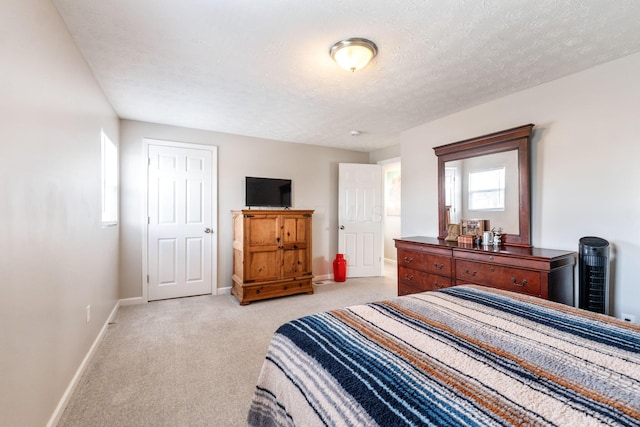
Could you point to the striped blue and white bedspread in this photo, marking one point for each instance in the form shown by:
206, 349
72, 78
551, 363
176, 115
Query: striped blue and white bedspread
465, 355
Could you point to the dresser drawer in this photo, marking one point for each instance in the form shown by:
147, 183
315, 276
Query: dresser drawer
421, 280
437, 264
519, 262
408, 289
269, 290
410, 259
422, 261
496, 276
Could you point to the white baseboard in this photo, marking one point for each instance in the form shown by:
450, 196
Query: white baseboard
391, 261
223, 291
321, 277
57, 413
131, 301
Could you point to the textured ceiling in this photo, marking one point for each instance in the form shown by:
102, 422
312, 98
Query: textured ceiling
262, 68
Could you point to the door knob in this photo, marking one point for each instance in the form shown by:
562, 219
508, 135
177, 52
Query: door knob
208, 230
342, 227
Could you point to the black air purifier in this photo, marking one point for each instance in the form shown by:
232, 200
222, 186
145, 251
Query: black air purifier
593, 264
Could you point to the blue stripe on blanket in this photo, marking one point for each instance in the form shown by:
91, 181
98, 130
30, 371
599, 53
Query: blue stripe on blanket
397, 384
512, 368
601, 332
376, 384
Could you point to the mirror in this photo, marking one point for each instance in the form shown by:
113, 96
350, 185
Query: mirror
484, 187
487, 178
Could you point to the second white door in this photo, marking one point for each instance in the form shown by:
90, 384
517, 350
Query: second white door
360, 218
181, 224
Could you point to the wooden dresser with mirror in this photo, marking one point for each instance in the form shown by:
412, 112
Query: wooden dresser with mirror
429, 263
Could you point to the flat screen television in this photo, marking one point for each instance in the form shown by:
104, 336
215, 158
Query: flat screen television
267, 192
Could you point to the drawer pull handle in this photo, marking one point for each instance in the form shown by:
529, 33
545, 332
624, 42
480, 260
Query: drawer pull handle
438, 285
491, 257
492, 269
473, 273
524, 282
408, 260
408, 276
438, 266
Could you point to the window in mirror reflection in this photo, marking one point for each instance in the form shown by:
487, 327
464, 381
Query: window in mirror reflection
486, 189
457, 191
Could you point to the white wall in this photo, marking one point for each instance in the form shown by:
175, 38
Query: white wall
385, 154
313, 169
585, 173
55, 258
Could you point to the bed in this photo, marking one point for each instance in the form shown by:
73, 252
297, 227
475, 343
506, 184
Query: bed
465, 355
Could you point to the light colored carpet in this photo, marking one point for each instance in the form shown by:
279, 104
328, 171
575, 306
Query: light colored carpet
195, 361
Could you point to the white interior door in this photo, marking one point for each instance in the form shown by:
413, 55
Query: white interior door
181, 229
360, 218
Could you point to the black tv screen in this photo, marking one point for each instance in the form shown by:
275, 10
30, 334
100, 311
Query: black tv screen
268, 192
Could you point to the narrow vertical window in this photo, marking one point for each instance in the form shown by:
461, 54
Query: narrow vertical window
109, 181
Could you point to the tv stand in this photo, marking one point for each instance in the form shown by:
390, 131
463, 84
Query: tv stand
271, 254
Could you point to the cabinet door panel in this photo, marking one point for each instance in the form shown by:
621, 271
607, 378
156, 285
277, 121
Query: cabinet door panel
295, 228
295, 247
262, 266
262, 231
294, 263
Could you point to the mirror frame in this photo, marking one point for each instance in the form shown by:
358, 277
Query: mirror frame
506, 140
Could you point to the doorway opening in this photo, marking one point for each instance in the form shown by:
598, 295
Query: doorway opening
391, 174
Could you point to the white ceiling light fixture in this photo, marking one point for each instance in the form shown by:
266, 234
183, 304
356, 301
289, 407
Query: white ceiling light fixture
353, 54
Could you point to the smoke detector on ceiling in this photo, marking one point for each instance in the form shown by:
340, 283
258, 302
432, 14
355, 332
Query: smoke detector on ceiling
355, 133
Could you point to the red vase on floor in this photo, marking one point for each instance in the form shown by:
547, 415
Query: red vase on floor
339, 268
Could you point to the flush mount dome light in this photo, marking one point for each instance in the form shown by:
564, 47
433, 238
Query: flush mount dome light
353, 54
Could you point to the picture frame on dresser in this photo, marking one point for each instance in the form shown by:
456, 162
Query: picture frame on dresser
473, 227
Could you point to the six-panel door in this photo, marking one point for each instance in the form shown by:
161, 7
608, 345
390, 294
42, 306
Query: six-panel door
180, 224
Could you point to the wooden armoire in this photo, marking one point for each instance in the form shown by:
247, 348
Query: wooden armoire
271, 254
